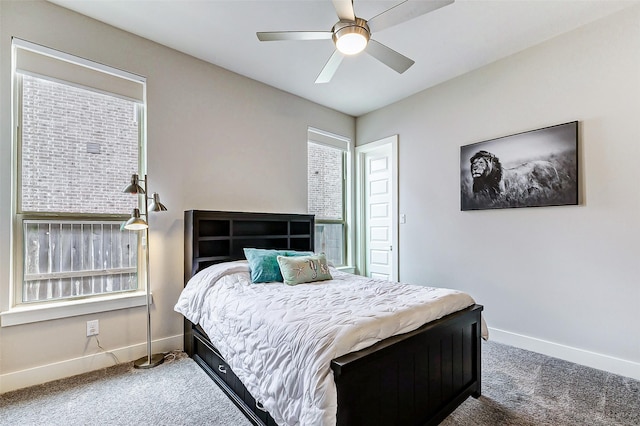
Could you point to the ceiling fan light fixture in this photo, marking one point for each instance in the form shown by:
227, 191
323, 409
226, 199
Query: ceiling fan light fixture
351, 37
351, 43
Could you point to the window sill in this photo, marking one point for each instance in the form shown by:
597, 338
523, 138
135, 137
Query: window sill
26, 314
349, 269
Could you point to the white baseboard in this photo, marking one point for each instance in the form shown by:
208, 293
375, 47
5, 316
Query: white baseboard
579, 356
72, 367
84, 364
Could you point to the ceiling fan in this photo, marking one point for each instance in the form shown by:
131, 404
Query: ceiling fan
352, 34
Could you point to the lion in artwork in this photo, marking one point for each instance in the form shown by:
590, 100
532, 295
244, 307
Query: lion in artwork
492, 180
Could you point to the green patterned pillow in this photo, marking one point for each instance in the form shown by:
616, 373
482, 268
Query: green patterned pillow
264, 265
304, 269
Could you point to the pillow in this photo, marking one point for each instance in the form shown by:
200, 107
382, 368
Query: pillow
264, 264
304, 269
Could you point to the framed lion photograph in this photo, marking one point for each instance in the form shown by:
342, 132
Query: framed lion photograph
531, 169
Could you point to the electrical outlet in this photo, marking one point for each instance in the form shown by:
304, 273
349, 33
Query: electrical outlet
93, 328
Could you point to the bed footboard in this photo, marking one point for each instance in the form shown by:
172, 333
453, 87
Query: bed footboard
417, 378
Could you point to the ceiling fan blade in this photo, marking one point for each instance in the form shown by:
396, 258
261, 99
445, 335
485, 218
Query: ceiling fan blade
330, 67
294, 35
403, 12
344, 9
388, 56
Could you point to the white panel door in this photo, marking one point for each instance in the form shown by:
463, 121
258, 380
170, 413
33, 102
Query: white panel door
378, 202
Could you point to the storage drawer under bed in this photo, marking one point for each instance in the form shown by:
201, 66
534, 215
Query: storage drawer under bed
229, 382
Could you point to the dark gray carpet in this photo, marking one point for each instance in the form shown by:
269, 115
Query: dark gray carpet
177, 392
520, 388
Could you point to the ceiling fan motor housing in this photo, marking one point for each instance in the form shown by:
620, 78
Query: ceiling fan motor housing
351, 30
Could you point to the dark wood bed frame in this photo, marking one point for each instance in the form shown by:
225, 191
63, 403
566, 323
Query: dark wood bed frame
417, 378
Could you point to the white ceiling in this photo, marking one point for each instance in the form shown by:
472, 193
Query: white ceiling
445, 43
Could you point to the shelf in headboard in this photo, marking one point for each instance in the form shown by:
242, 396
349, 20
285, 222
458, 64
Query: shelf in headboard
215, 236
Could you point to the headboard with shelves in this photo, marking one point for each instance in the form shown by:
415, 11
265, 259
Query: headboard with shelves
216, 236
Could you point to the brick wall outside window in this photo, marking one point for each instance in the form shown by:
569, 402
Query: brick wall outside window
325, 181
79, 149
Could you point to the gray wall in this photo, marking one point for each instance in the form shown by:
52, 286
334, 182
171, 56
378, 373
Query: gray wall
560, 280
216, 140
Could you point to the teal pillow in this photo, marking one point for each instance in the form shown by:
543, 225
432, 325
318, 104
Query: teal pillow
263, 263
304, 269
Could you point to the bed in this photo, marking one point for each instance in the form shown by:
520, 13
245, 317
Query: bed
415, 378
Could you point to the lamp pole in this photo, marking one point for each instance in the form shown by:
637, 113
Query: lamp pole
151, 360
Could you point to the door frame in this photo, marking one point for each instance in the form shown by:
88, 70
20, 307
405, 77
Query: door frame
361, 220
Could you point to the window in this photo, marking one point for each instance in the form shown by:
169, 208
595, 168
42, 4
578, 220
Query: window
79, 138
328, 159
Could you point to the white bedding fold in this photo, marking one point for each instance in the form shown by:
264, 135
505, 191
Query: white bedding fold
280, 340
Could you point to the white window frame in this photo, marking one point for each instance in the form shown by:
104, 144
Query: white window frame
322, 137
16, 312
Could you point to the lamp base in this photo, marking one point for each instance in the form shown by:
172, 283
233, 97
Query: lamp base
156, 359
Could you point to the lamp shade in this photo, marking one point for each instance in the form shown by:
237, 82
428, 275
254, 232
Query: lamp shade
134, 187
155, 205
135, 223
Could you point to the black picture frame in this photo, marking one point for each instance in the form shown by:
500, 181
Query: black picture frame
536, 168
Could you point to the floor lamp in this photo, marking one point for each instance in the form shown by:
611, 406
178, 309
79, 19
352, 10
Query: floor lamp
137, 223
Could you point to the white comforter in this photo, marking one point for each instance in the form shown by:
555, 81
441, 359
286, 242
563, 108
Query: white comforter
279, 339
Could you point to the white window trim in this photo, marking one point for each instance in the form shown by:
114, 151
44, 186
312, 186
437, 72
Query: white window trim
329, 139
30, 313
322, 137
75, 70
20, 313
